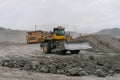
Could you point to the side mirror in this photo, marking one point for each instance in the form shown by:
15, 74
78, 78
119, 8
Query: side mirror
51, 32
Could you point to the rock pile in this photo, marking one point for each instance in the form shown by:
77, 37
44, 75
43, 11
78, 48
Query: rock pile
101, 43
74, 65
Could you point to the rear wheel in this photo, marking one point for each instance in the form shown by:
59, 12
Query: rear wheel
72, 52
63, 52
75, 51
46, 48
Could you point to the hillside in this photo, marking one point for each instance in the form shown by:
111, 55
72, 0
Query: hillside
14, 36
114, 32
1, 28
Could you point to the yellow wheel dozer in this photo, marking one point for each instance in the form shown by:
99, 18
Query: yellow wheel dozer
58, 43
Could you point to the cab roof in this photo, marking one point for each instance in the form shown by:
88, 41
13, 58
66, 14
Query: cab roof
59, 27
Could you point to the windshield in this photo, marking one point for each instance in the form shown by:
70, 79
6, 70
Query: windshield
60, 32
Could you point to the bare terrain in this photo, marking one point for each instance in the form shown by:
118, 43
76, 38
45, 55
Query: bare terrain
21, 61
33, 52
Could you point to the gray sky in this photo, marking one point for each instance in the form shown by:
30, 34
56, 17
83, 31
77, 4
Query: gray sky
86, 15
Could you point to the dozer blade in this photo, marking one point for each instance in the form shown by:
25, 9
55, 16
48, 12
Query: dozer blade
77, 46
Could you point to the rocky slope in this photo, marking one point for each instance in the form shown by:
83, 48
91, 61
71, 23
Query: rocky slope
101, 43
75, 65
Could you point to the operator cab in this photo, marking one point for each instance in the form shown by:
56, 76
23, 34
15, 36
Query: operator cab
59, 31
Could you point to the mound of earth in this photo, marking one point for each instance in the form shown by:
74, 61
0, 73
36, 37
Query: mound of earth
75, 65
101, 43
12, 36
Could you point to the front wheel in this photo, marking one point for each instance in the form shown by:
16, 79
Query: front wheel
46, 48
28, 42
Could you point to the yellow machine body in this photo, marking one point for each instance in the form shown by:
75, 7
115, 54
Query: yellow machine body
34, 36
57, 42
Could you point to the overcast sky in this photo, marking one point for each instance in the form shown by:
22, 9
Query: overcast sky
86, 15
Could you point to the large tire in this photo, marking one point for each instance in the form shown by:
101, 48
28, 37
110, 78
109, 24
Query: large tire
28, 42
75, 51
46, 48
72, 52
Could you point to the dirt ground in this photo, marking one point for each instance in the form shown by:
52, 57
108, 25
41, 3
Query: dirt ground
32, 51
15, 74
